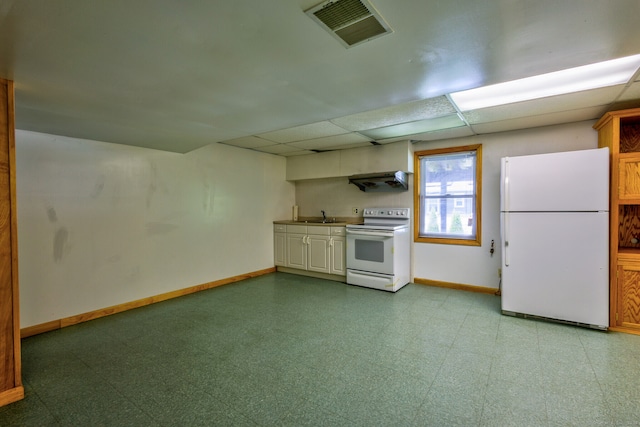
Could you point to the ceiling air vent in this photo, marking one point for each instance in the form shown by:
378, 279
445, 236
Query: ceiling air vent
350, 21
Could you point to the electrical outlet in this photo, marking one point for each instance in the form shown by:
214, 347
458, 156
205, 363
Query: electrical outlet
355, 211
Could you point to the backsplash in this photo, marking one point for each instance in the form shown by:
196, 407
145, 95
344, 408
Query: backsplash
337, 197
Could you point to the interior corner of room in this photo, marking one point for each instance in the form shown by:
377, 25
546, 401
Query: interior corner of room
147, 157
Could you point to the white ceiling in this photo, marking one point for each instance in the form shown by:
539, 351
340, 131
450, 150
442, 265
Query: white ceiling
177, 75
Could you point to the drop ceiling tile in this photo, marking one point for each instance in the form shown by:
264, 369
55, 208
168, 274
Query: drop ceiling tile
248, 142
577, 115
301, 133
298, 153
631, 93
392, 140
330, 141
278, 149
552, 104
346, 146
459, 132
420, 126
402, 113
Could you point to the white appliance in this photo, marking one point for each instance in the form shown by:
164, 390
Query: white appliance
379, 251
555, 236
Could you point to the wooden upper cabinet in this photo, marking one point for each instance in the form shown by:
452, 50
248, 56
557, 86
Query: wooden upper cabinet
11, 388
629, 177
620, 131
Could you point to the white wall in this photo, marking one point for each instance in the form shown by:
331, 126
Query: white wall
102, 224
453, 263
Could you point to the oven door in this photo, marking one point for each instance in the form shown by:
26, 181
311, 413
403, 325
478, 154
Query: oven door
370, 250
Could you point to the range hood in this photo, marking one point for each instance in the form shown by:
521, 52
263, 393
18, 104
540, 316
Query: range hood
381, 182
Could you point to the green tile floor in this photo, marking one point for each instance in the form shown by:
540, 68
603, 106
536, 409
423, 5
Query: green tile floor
286, 350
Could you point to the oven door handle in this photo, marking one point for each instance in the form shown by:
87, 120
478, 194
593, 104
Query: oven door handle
381, 233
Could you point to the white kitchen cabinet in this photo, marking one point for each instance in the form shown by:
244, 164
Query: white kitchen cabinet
338, 252
319, 250
319, 165
297, 250
280, 244
378, 158
397, 156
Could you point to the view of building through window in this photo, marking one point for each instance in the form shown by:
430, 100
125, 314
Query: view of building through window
448, 188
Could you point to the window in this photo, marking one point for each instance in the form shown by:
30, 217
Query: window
448, 194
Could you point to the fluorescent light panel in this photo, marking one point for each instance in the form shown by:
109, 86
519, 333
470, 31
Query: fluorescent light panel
601, 74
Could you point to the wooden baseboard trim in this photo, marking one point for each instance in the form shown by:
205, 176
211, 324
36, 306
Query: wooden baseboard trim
625, 330
11, 395
96, 314
40, 329
458, 286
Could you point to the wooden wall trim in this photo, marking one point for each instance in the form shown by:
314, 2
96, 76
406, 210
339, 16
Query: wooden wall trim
96, 314
12, 395
14, 240
11, 388
458, 286
626, 330
40, 329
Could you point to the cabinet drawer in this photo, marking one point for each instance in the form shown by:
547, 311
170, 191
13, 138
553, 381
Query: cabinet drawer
300, 229
319, 230
279, 228
338, 231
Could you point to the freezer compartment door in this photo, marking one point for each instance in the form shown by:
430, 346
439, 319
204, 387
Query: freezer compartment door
568, 181
555, 265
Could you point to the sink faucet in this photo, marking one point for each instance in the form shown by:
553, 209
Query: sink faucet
324, 217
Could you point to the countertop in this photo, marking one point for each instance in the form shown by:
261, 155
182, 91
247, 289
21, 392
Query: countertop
339, 222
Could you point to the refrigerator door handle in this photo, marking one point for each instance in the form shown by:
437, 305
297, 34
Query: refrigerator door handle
506, 185
505, 209
505, 233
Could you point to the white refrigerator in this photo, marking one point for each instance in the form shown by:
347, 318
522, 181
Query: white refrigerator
555, 236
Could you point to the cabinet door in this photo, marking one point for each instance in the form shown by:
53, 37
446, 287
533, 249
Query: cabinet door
629, 177
296, 250
318, 253
338, 256
628, 298
280, 248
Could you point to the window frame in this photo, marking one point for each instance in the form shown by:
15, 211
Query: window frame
417, 176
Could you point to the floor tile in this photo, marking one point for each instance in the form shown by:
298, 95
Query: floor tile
514, 404
451, 405
282, 349
567, 409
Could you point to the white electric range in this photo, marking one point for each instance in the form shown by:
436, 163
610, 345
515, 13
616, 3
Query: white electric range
379, 250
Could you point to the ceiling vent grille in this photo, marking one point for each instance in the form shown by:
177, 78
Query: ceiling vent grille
350, 21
